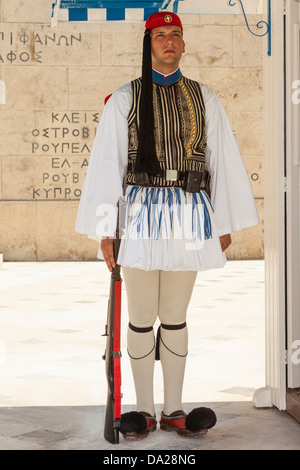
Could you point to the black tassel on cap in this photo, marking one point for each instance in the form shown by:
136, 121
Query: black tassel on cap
146, 160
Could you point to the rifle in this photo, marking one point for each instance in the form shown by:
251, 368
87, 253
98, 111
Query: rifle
112, 355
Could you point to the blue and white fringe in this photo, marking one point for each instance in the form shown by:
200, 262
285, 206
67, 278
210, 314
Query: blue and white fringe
152, 210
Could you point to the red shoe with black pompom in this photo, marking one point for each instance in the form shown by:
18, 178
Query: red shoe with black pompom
197, 422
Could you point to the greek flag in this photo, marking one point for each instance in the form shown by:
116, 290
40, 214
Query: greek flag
140, 10
108, 10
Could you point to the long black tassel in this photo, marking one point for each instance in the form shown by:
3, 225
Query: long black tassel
146, 160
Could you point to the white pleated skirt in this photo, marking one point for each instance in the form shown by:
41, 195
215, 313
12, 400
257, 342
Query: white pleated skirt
169, 229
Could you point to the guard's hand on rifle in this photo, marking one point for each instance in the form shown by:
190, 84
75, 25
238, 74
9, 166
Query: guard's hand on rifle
107, 247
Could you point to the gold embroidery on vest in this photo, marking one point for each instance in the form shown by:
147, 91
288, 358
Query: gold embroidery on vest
179, 120
193, 119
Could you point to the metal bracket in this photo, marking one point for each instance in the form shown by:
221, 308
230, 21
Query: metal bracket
117, 354
260, 24
167, 4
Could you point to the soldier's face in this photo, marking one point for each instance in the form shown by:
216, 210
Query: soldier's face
167, 47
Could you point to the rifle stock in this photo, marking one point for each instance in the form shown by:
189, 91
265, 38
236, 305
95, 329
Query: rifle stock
112, 354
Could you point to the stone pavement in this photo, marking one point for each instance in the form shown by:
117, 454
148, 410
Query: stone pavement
53, 384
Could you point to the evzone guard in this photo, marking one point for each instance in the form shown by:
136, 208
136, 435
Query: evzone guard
164, 149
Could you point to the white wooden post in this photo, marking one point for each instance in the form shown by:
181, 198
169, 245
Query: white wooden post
293, 190
275, 391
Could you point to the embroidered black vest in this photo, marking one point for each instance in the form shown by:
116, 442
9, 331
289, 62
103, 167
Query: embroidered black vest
179, 120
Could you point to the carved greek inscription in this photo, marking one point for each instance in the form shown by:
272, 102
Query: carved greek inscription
67, 140
63, 181
22, 47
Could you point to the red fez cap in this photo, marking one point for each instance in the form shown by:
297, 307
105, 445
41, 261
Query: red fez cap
163, 18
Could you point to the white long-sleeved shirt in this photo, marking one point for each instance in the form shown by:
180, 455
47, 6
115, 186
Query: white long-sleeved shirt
231, 193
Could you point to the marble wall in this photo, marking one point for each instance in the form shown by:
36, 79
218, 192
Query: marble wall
56, 81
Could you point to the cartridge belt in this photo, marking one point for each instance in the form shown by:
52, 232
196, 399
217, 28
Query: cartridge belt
191, 181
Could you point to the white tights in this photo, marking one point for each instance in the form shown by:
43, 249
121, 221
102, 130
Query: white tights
166, 295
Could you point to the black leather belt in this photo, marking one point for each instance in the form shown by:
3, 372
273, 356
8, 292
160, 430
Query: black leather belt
192, 181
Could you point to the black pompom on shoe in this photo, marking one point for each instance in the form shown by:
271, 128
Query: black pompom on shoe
200, 418
134, 426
